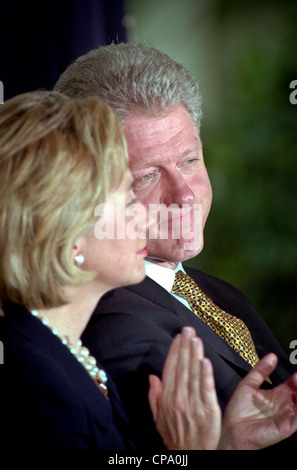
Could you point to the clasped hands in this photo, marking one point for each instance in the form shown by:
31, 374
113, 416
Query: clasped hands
187, 415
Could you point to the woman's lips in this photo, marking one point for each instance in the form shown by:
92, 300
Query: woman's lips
143, 252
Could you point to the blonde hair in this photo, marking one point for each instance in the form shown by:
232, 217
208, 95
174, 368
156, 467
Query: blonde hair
133, 79
58, 159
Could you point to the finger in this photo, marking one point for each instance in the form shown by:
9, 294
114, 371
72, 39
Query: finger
258, 374
170, 366
184, 359
197, 354
197, 348
208, 390
154, 394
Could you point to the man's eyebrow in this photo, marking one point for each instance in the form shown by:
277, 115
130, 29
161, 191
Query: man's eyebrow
187, 152
146, 166
197, 148
153, 164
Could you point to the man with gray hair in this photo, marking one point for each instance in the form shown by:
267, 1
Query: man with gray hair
159, 105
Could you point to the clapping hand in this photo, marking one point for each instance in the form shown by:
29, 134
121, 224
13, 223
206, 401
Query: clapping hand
257, 418
184, 404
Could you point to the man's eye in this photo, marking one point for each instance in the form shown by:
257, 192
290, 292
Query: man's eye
190, 165
147, 177
146, 180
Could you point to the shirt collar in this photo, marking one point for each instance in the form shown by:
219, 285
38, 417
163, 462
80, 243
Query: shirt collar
163, 276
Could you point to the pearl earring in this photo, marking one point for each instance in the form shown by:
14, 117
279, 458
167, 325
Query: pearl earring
80, 259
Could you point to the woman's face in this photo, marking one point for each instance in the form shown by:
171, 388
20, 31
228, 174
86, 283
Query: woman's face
116, 247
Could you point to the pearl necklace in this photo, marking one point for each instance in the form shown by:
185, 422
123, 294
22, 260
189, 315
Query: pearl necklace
82, 354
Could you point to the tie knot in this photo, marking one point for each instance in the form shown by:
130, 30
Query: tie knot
185, 286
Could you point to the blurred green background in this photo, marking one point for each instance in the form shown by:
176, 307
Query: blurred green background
243, 53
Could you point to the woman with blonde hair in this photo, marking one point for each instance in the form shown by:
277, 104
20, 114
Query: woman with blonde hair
59, 160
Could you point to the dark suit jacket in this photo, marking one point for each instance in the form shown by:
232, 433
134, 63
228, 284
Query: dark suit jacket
132, 328
48, 400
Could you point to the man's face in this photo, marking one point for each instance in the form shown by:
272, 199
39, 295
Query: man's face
166, 160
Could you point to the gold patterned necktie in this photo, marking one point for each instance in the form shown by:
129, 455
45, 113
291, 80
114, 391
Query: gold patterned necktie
233, 330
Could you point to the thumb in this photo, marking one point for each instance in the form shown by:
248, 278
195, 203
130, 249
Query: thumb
154, 394
261, 371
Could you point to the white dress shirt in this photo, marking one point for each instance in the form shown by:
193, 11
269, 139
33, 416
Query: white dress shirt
165, 278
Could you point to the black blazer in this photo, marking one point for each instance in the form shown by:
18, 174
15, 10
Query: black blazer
132, 328
48, 400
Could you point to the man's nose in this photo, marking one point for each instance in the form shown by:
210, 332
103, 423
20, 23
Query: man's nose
177, 191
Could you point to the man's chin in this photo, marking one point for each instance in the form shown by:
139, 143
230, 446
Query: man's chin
175, 252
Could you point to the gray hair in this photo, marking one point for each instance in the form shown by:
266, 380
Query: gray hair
132, 79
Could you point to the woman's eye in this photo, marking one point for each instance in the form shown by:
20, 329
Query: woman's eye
131, 201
